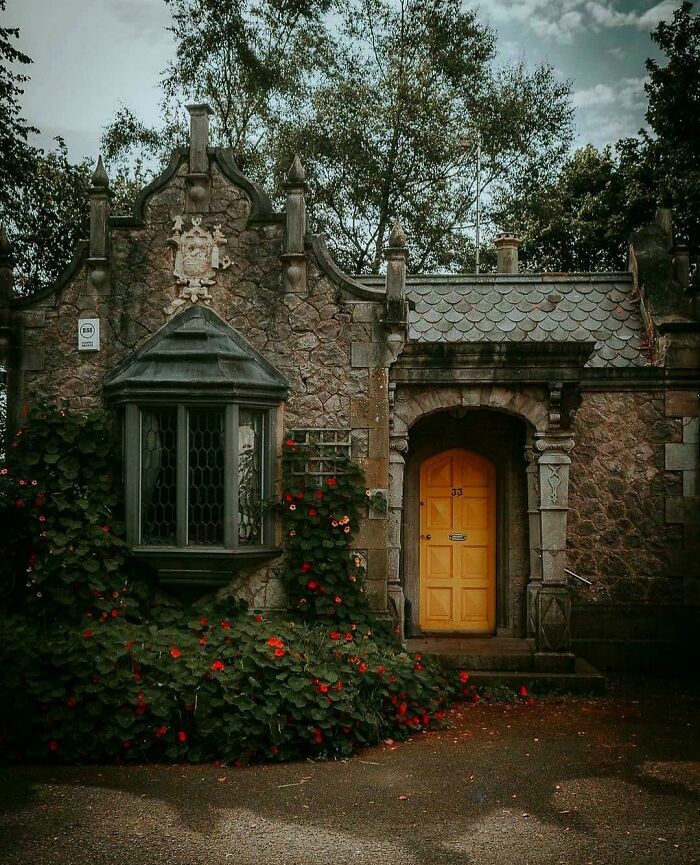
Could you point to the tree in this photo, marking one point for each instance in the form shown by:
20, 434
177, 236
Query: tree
375, 99
673, 113
581, 218
15, 151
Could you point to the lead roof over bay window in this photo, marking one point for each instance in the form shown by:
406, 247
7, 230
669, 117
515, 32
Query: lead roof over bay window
198, 439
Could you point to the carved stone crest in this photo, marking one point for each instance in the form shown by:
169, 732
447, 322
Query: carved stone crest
197, 259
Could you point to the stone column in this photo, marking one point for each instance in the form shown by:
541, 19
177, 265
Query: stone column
535, 538
398, 447
293, 258
97, 263
553, 607
197, 180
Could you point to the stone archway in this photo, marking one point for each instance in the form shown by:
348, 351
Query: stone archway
523, 411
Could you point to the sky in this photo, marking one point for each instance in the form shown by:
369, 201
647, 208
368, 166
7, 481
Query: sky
90, 56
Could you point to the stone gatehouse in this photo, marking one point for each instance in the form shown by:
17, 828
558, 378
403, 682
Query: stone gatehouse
536, 435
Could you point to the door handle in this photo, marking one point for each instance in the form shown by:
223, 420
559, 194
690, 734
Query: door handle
426, 537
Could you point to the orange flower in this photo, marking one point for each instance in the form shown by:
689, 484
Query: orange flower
218, 666
463, 677
279, 653
175, 653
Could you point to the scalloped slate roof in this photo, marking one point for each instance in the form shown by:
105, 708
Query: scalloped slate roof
531, 308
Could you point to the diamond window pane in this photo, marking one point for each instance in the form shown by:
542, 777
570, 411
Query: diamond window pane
250, 477
205, 508
158, 476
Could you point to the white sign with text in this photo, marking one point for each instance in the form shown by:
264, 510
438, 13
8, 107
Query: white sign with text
88, 334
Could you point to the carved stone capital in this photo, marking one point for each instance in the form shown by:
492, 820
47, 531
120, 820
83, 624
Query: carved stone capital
398, 443
549, 443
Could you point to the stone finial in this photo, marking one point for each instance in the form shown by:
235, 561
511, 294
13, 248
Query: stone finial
396, 255
99, 225
506, 244
199, 137
294, 259
397, 238
100, 180
296, 176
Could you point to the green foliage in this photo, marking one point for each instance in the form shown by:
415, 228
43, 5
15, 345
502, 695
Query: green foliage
581, 218
673, 113
61, 528
15, 152
320, 517
98, 665
375, 98
220, 684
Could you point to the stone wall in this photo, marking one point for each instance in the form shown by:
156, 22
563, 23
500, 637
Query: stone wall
617, 535
307, 334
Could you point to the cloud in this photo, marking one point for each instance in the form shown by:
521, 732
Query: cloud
607, 112
562, 20
143, 19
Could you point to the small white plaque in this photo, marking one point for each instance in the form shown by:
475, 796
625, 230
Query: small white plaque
88, 334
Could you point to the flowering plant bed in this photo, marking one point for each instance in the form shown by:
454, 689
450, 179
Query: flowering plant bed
98, 665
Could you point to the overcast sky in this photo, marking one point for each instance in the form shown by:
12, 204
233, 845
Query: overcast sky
91, 55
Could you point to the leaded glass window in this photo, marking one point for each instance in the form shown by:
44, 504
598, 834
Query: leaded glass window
158, 476
204, 475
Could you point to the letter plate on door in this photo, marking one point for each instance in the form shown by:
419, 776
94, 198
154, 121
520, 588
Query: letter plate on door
458, 537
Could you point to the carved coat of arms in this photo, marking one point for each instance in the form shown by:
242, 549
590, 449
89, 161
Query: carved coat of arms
197, 258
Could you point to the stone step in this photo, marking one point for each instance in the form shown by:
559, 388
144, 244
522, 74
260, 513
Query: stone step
475, 653
585, 679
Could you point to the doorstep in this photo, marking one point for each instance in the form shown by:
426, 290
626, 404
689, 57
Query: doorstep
506, 662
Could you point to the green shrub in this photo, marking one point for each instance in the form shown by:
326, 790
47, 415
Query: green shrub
237, 688
96, 665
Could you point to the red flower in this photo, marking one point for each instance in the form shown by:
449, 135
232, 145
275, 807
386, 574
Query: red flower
114, 613
463, 677
312, 585
105, 529
337, 599
279, 653
53, 745
203, 620
334, 635
87, 634
289, 497
418, 667
182, 736
306, 566
42, 518
349, 638
381, 669
318, 494
20, 503
161, 731
71, 702
218, 666
175, 653
523, 691
275, 641
363, 668
203, 641
331, 482
226, 625
289, 443
323, 688
258, 618
313, 512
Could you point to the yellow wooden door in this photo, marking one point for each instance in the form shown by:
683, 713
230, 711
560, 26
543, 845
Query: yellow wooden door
458, 543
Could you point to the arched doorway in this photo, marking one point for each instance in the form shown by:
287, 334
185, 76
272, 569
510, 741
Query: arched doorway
458, 543
499, 438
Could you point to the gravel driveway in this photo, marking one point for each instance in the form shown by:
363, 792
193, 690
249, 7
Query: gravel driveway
574, 780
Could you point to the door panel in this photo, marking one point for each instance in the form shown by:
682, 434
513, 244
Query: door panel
458, 543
